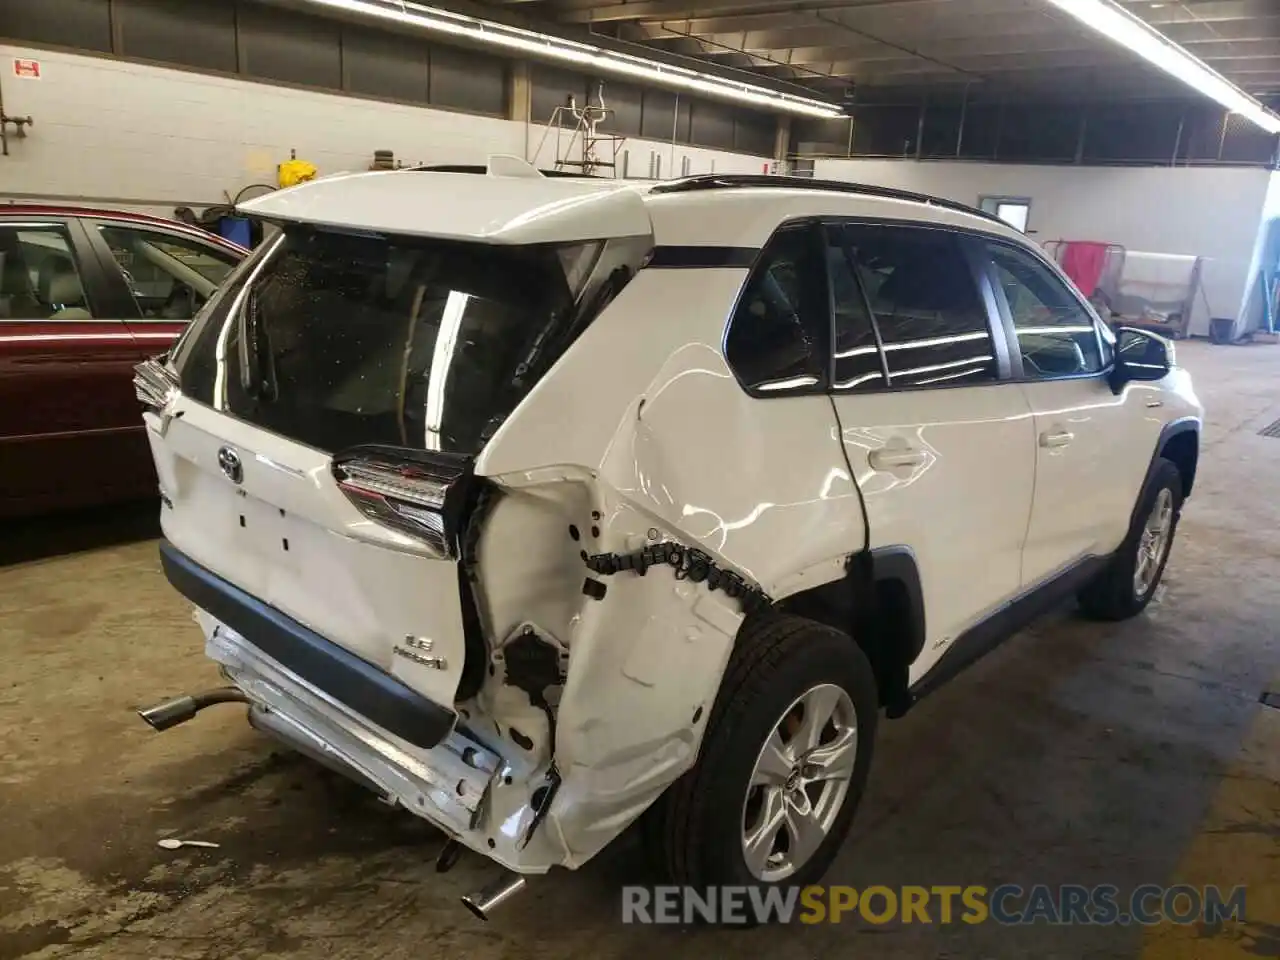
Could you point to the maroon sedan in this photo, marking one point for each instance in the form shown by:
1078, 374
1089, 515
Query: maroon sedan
85, 295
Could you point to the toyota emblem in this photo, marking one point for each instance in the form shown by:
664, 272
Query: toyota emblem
230, 463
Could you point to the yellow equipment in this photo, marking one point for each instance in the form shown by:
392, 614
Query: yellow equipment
294, 171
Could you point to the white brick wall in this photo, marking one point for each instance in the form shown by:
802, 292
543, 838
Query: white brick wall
122, 134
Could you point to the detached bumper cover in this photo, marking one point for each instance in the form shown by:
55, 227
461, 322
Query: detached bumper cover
450, 784
346, 678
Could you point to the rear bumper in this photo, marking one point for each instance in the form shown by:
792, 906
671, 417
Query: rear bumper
450, 785
337, 673
330, 713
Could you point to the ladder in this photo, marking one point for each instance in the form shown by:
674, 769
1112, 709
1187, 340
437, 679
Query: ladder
585, 149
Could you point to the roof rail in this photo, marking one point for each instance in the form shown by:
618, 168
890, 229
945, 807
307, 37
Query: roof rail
726, 181
479, 168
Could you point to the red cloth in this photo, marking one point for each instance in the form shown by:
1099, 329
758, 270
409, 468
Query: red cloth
1083, 261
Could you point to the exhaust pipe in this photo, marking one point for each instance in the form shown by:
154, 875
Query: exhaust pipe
181, 709
482, 904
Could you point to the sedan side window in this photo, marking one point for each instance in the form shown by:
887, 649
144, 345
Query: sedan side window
170, 277
778, 337
924, 304
39, 279
1056, 335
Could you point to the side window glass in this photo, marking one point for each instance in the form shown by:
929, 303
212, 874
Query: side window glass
170, 277
39, 279
1056, 335
857, 356
932, 323
778, 337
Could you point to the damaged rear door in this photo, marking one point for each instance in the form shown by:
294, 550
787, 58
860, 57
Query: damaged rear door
335, 399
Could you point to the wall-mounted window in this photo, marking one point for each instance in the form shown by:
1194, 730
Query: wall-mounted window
283, 45
467, 80
551, 88
266, 42
386, 65
1015, 211
711, 125
191, 32
81, 24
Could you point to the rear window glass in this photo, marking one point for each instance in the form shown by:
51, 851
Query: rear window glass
342, 339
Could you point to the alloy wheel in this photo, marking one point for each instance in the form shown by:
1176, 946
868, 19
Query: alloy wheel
1153, 543
799, 783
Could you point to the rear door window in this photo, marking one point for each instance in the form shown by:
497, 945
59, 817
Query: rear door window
169, 277
925, 304
39, 276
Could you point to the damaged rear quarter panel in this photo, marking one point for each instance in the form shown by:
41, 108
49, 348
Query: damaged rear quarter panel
642, 424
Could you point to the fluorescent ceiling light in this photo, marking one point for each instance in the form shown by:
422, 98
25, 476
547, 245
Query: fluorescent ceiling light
584, 54
1147, 42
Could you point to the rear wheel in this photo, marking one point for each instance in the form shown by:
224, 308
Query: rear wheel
1129, 581
783, 762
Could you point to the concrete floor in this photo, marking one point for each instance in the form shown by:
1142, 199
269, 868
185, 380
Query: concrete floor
1077, 753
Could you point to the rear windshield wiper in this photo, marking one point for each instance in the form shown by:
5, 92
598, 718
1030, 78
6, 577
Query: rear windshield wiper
247, 345
257, 369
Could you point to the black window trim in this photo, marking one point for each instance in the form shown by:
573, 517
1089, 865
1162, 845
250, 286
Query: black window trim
1006, 315
813, 226
881, 356
983, 286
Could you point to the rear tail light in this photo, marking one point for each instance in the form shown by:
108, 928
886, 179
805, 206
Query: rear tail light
154, 383
419, 494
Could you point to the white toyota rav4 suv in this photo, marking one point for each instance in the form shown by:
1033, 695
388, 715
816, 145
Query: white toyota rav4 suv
540, 504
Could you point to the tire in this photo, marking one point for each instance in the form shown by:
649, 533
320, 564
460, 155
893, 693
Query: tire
695, 832
1116, 594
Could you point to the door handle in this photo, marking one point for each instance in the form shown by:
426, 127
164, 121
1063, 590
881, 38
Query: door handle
895, 459
1056, 438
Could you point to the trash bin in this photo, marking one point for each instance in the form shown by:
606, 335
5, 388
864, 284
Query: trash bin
237, 230
1220, 329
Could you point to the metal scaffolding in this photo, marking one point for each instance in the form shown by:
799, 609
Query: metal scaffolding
582, 147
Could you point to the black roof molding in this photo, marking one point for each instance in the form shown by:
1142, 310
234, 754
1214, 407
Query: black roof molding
733, 181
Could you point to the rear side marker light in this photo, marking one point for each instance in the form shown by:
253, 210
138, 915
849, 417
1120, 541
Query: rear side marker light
418, 494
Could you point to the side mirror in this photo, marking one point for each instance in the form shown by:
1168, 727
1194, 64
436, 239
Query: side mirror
1140, 355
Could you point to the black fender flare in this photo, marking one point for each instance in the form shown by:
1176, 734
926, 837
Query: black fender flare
1173, 428
898, 563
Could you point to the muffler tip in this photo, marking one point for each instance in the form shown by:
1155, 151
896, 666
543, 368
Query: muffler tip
483, 904
170, 713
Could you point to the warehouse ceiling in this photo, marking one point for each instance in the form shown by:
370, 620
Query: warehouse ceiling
998, 47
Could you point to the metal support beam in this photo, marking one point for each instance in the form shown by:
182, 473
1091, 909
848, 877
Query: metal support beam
519, 92
782, 139
924, 105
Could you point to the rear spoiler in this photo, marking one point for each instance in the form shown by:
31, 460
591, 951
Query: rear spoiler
513, 202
